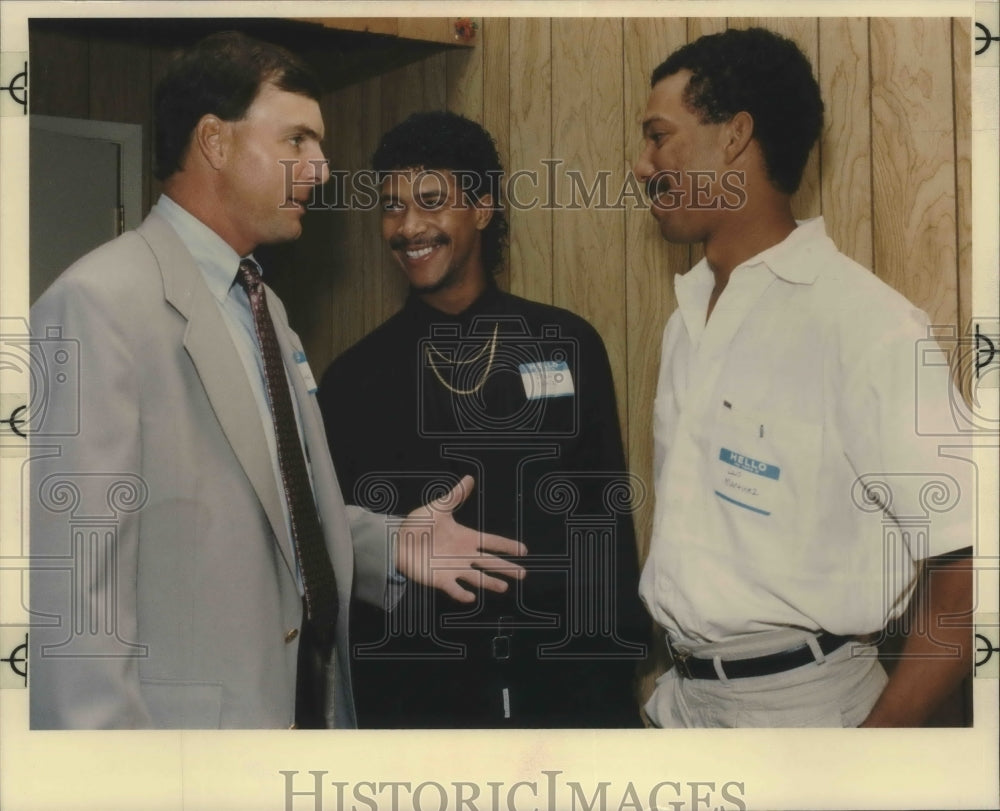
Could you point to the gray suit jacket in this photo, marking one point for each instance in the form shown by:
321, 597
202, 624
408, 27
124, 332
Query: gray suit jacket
162, 586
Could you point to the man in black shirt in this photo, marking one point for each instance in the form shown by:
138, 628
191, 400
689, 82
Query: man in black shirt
469, 379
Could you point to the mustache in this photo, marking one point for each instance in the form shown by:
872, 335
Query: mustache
401, 243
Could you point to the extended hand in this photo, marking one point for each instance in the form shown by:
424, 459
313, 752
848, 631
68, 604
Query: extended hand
433, 549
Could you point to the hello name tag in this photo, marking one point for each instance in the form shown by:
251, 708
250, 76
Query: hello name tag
307, 376
547, 378
747, 482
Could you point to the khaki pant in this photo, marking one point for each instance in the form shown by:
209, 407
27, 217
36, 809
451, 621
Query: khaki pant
837, 692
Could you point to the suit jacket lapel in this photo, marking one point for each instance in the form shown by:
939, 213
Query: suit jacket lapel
210, 347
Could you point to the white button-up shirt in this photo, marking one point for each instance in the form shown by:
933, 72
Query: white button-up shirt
792, 486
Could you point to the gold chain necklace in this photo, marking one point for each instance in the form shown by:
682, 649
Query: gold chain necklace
492, 346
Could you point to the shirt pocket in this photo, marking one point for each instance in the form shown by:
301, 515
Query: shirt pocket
764, 469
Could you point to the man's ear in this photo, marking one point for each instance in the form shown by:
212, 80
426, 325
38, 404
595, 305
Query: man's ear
211, 138
738, 132
484, 211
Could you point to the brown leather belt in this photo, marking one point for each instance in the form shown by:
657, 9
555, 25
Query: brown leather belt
694, 667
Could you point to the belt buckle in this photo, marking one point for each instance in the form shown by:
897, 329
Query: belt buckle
500, 644
680, 659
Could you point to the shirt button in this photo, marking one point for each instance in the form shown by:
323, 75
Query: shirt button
291, 635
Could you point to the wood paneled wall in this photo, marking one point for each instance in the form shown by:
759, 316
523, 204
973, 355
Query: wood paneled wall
891, 175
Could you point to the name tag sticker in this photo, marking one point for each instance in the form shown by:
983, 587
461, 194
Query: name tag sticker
746, 482
547, 378
303, 366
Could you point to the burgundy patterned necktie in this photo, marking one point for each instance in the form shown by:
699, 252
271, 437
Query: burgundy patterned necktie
307, 535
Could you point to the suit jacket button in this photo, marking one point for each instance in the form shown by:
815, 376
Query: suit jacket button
293, 725
291, 635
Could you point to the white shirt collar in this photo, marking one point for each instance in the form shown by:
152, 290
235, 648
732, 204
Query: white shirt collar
788, 260
791, 258
213, 255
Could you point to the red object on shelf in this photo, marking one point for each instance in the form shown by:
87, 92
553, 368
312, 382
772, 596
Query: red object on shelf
465, 29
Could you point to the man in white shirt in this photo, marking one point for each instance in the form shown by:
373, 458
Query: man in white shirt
789, 477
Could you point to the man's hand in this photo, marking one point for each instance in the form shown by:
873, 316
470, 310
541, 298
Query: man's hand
937, 653
434, 550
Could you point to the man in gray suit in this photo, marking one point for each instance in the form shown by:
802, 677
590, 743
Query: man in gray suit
167, 572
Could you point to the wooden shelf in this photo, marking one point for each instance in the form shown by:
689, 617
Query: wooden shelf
441, 30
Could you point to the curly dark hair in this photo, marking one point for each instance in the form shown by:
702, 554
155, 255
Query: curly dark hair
764, 74
220, 74
444, 140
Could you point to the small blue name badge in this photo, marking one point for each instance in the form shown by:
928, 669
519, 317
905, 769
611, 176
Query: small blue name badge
303, 366
547, 378
747, 482
749, 464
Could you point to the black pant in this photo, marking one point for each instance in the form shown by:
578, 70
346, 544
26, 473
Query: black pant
315, 649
